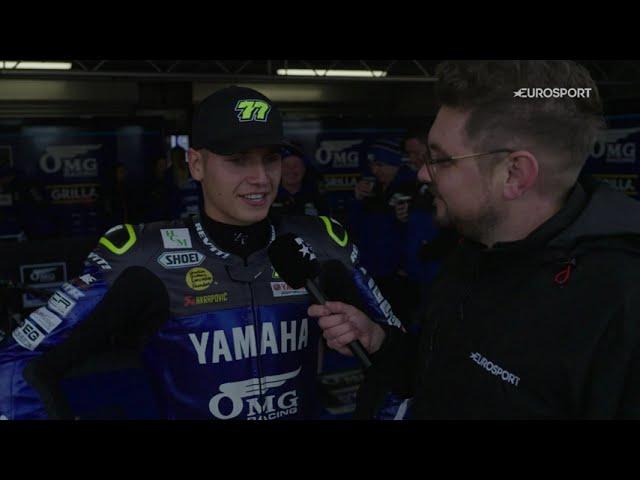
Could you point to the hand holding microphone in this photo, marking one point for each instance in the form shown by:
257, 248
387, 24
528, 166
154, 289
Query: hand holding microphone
343, 324
298, 266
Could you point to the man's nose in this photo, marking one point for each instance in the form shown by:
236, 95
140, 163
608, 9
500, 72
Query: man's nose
424, 175
257, 173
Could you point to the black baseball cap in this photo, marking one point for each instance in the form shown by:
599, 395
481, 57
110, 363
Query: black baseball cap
235, 119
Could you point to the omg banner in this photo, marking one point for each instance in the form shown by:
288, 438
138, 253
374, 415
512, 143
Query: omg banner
614, 157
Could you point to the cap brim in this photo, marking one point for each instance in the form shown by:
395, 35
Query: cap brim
240, 145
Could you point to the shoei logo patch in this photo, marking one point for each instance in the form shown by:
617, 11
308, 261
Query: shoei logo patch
176, 238
189, 258
235, 396
199, 279
253, 110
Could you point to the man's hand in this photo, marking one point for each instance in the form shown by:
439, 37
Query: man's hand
364, 188
341, 324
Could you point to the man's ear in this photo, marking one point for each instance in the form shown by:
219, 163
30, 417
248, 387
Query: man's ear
196, 161
522, 174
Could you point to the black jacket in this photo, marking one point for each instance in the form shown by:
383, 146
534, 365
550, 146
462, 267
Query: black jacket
545, 327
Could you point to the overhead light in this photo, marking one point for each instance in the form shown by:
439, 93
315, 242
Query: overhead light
24, 65
311, 72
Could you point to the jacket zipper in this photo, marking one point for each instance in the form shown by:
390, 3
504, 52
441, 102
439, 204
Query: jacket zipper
258, 341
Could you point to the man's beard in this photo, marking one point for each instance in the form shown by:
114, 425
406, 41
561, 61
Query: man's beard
475, 227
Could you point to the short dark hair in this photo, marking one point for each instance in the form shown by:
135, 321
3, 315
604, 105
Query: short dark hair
486, 88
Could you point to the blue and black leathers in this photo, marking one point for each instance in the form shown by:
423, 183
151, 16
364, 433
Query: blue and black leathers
221, 337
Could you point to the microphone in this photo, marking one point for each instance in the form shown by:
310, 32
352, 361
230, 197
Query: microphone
338, 283
297, 265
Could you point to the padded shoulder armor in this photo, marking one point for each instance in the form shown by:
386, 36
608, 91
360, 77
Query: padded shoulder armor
119, 239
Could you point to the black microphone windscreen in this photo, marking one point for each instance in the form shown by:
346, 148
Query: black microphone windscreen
293, 259
338, 284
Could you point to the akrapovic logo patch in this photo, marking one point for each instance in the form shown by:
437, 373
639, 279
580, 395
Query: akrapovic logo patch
494, 369
189, 258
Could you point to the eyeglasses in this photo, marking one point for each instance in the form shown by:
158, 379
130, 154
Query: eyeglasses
431, 163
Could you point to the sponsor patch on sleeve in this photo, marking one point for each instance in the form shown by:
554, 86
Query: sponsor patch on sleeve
61, 303
28, 335
45, 319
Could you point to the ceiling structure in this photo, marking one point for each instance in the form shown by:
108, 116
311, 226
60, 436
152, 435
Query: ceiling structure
606, 72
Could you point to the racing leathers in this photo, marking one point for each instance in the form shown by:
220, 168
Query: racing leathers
221, 336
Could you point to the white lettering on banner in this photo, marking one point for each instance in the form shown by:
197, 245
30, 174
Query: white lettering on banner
615, 146
244, 342
73, 193
333, 150
621, 183
231, 396
66, 158
338, 182
43, 275
494, 369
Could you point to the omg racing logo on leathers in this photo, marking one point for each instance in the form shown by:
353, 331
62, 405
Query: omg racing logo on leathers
252, 395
